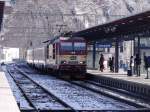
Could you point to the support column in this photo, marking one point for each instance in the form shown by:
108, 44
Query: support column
116, 56
134, 46
94, 53
139, 51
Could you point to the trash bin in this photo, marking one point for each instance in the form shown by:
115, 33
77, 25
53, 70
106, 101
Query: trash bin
129, 72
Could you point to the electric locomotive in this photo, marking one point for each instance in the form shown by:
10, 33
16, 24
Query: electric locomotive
63, 55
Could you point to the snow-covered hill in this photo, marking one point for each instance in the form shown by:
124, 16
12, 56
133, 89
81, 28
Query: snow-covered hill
37, 20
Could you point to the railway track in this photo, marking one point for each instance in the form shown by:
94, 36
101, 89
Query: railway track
91, 86
39, 98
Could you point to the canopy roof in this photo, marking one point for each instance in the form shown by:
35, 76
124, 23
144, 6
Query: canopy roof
125, 28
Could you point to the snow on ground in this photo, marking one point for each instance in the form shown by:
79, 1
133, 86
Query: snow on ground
39, 98
77, 97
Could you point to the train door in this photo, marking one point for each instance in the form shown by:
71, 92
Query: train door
50, 54
46, 54
54, 51
57, 53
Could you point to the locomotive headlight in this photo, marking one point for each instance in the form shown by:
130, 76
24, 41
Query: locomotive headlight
63, 62
82, 62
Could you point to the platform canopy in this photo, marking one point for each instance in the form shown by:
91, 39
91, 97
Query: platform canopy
1, 12
122, 29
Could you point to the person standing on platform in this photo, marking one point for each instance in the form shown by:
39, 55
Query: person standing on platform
146, 64
101, 63
145, 61
109, 63
137, 64
131, 64
112, 65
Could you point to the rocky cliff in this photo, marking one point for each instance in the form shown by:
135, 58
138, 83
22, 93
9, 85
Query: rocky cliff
38, 20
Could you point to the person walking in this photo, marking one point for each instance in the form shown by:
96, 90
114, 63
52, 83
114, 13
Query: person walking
137, 64
131, 64
101, 63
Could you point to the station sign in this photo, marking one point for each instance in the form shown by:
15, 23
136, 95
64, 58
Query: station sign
105, 45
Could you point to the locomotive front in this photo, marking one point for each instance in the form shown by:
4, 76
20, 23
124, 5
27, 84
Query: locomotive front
73, 54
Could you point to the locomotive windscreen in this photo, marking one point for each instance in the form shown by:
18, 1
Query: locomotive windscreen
66, 46
78, 46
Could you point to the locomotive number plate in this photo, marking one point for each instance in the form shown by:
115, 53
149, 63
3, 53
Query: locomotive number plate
73, 57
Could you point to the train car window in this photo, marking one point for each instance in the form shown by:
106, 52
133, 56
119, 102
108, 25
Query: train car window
54, 51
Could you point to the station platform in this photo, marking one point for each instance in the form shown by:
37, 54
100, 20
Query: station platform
7, 100
138, 85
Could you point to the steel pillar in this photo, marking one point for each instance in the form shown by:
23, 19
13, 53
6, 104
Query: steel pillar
138, 47
116, 56
139, 52
134, 53
94, 53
